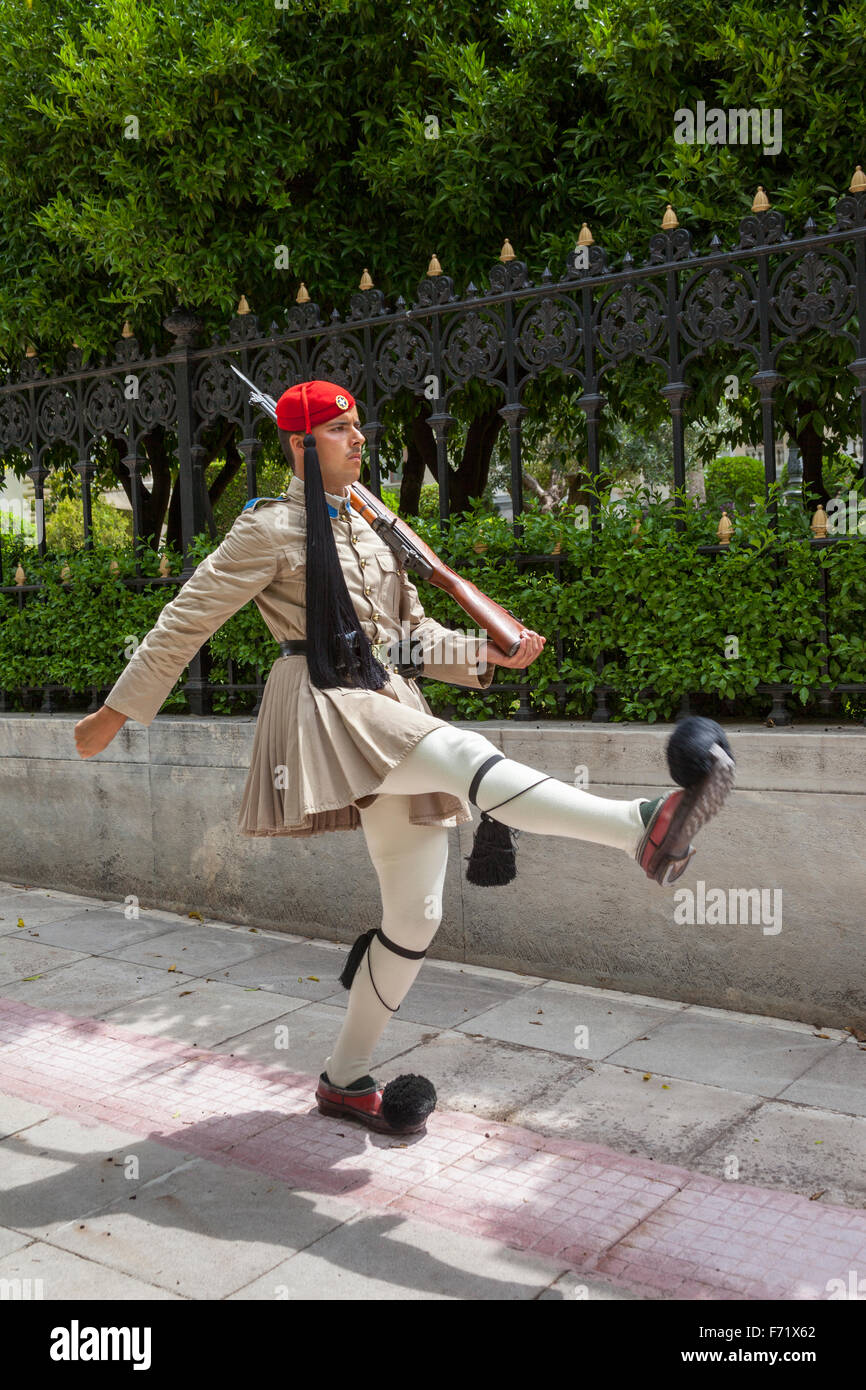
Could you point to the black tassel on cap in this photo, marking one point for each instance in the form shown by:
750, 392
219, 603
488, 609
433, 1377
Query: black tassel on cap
338, 649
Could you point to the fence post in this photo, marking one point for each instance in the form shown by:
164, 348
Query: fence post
194, 511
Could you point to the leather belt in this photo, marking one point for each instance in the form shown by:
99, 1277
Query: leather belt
298, 647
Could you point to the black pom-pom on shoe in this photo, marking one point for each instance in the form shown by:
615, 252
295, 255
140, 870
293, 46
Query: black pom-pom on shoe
689, 748
700, 760
408, 1100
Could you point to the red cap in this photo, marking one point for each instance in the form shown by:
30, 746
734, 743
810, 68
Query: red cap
312, 403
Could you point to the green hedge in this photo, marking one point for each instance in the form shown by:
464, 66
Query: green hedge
736, 479
661, 613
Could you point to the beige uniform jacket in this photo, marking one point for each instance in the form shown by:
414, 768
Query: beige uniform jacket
317, 754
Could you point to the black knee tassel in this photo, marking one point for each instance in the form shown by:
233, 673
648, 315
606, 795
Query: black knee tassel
354, 958
493, 862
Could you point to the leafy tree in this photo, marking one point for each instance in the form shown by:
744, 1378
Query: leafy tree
737, 479
64, 526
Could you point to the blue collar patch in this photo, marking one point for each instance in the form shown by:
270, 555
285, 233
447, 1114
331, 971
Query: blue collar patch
332, 511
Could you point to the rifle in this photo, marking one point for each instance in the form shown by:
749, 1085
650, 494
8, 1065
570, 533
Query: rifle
415, 555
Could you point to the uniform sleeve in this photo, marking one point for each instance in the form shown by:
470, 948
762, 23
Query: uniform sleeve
448, 656
243, 565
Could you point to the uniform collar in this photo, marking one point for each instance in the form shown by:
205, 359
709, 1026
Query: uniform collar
337, 501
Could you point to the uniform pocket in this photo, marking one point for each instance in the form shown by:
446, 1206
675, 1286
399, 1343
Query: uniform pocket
388, 579
292, 573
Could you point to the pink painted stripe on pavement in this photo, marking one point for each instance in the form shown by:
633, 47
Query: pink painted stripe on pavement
653, 1228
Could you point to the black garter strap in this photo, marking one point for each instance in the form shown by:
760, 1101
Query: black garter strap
485, 767
473, 786
361, 947
401, 950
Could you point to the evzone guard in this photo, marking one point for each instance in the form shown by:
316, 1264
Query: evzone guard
344, 736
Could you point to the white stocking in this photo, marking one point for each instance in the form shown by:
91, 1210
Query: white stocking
410, 861
447, 758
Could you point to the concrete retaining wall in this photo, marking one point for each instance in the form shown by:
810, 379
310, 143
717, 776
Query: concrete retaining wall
154, 815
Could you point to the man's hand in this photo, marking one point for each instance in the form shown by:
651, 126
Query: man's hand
531, 646
96, 731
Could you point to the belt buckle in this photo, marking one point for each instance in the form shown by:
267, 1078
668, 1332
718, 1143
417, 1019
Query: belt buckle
380, 650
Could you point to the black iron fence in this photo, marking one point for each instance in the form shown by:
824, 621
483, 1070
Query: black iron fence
759, 297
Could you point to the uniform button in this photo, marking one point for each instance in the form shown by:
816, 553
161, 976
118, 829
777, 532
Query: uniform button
362, 563
366, 588
377, 616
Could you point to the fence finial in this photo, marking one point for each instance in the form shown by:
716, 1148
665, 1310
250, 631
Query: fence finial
819, 522
434, 268
30, 350
366, 282
243, 306
761, 202
20, 576
858, 182
725, 528
670, 220
585, 238
302, 297
126, 330
507, 252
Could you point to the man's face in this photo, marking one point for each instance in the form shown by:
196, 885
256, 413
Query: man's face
338, 444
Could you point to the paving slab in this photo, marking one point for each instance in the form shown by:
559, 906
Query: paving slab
299, 970
438, 999
56, 1275
307, 1036
35, 910
754, 1059
16, 1114
21, 955
97, 930
386, 1257
662, 1118
835, 1082
57, 1171
197, 950
576, 1023
814, 1152
200, 1012
204, 1230
93, 987
489, 1078
12, 1240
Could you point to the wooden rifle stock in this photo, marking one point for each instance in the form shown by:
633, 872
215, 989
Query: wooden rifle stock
502, 627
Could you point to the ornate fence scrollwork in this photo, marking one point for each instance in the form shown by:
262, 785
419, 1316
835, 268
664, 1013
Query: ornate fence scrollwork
768, 292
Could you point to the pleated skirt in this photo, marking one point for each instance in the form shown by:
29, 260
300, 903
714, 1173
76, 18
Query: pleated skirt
317, 754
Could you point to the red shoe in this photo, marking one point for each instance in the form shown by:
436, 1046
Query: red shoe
665, 850
399, 1107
